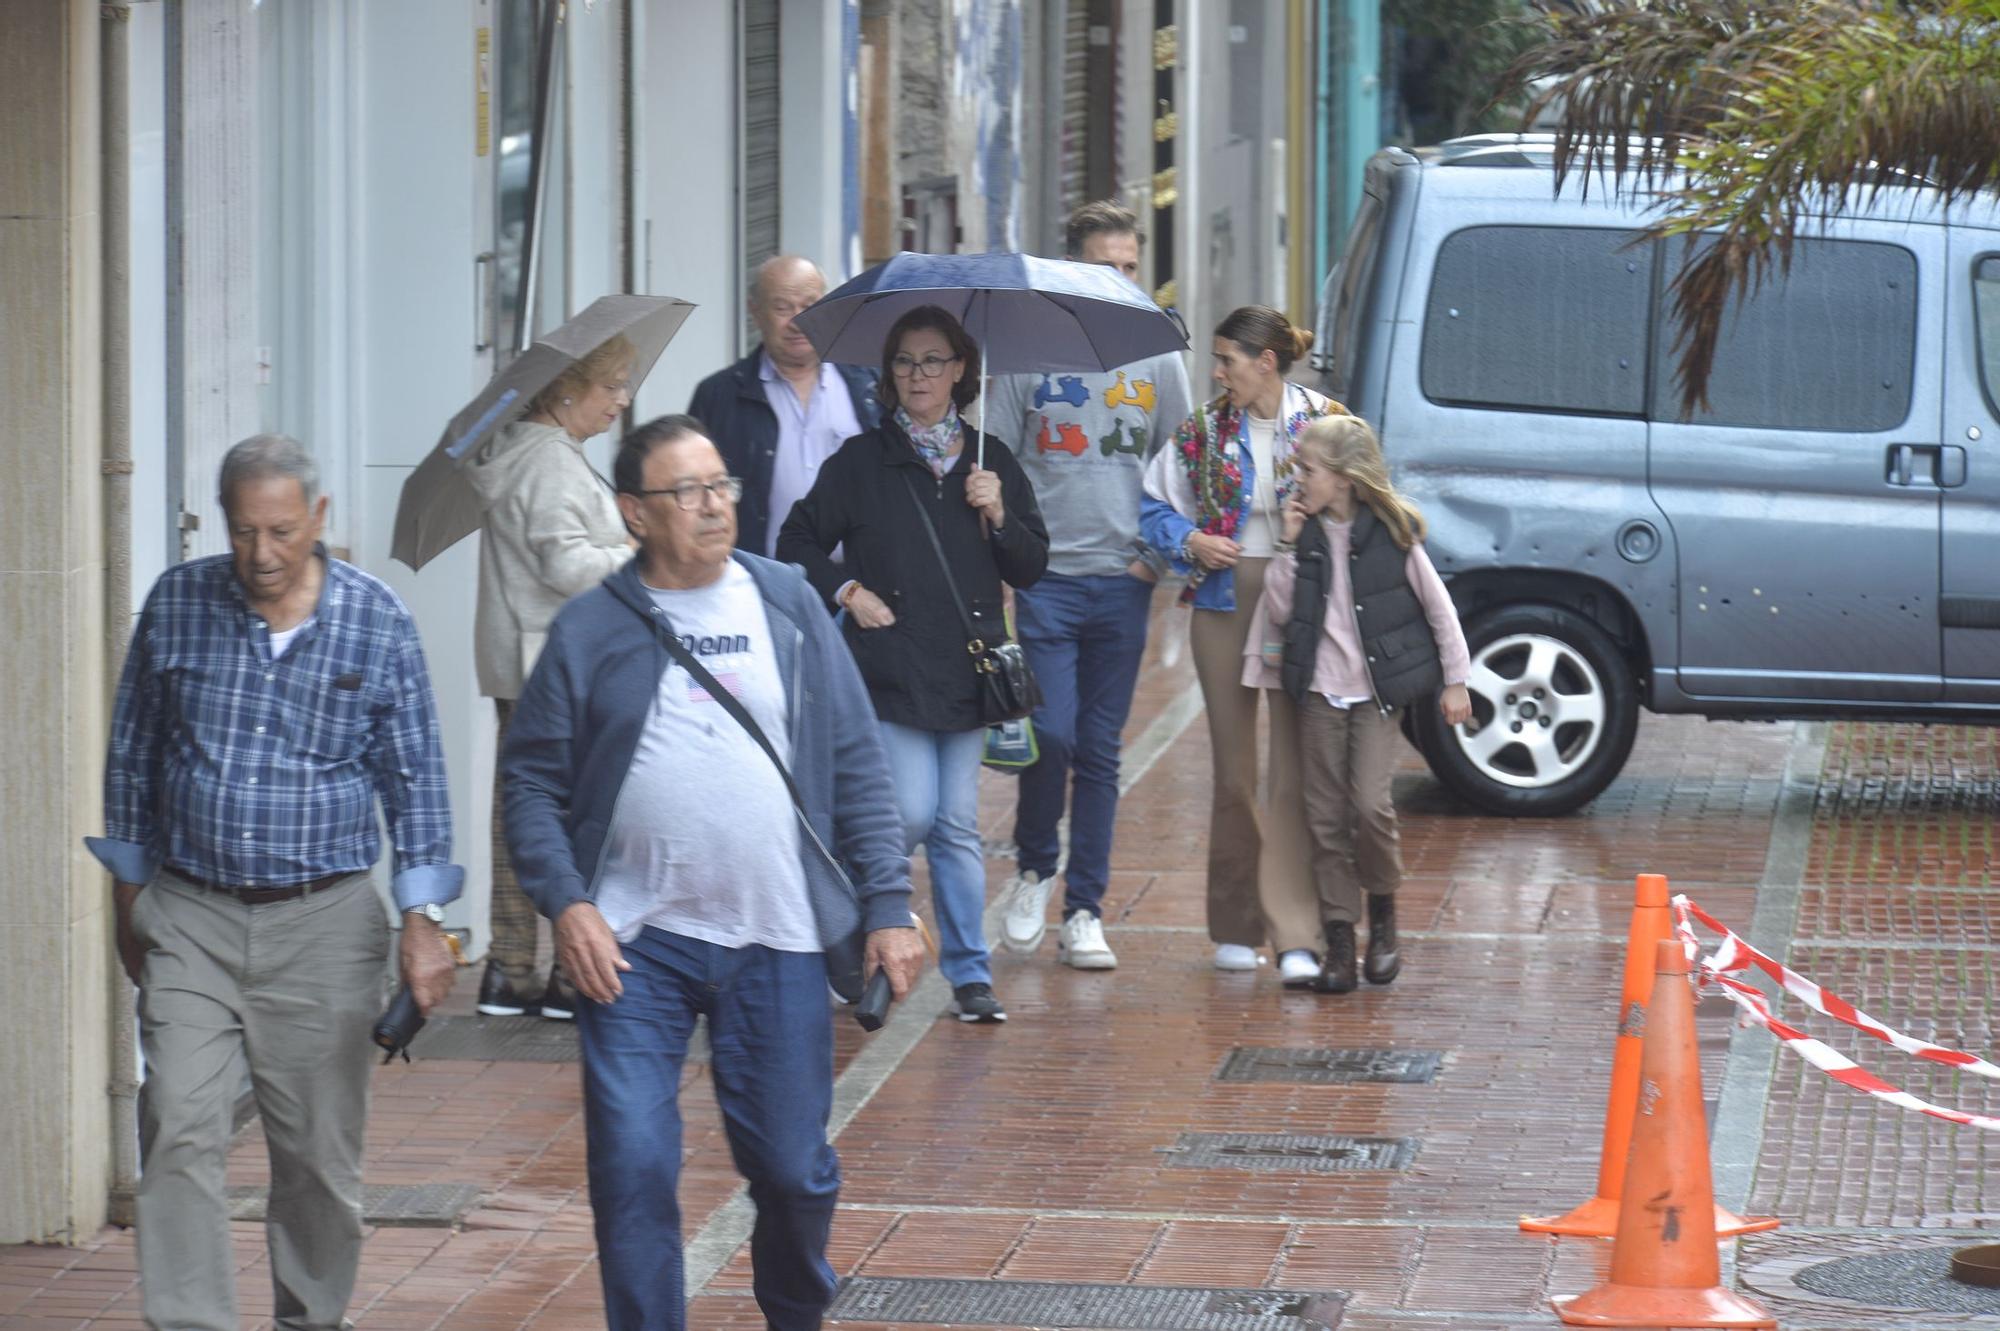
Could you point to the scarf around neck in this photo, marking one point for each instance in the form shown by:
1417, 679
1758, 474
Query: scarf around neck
1215, 442
934, 443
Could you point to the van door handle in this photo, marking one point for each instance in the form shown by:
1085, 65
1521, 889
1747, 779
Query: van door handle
1951, 467
1902, 462
1926, 464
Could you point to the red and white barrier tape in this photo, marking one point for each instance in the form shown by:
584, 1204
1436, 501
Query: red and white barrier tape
1734, 955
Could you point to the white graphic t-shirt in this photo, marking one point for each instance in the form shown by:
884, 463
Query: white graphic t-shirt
703, 841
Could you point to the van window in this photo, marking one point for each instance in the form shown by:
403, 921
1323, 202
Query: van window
1986, 308
1531, 318
1830, 346
1339, 336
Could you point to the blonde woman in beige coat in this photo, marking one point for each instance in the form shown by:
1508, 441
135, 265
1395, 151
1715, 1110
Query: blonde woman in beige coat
551, 530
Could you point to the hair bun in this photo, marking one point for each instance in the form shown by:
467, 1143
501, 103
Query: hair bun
1302, 341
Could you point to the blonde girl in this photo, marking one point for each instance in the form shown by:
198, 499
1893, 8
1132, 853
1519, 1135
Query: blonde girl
1354, 624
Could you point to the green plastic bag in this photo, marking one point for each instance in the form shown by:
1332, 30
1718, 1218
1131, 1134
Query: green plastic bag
1010, 746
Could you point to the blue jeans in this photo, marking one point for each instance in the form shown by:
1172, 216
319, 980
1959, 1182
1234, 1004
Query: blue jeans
936, 775
1083, 638
772, 1048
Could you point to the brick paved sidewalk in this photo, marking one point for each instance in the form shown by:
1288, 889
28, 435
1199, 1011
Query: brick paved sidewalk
1068, 1145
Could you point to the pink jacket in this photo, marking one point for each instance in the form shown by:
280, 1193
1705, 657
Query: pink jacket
1340, 670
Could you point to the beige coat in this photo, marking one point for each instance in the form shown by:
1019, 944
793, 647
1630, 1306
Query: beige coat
552, 530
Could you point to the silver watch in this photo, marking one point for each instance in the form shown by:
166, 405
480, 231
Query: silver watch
430, 910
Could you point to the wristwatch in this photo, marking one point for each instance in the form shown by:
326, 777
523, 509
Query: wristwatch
430, 910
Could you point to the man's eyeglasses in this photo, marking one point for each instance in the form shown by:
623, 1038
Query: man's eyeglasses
930, 367
689, 495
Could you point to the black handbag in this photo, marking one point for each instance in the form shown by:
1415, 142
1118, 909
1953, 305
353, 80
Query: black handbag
1008, 688
844, 956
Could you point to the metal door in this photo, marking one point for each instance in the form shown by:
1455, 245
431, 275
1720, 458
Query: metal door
1803, 509
1968, 469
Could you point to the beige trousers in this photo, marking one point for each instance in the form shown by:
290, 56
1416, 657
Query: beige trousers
1259, 887
293, 989
1350, 757
512, 919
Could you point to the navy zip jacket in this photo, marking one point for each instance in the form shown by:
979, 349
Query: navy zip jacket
578, 722
732, 406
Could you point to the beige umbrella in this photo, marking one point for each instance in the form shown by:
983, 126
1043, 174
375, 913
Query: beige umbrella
439, 506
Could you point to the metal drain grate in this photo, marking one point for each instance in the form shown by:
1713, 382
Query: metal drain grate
927, 1302
382, 1203
1288, 1152
1330, 1067
514, 1040
1917, 1279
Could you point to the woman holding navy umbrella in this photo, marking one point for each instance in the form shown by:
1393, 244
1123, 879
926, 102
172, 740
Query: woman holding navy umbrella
884, 496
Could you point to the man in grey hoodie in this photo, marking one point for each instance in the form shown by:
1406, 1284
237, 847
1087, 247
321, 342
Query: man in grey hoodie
1084, 440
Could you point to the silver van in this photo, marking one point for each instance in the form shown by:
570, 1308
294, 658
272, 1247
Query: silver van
1823, 541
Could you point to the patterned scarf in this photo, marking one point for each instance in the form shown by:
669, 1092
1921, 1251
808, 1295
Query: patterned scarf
933, 442
1214, 441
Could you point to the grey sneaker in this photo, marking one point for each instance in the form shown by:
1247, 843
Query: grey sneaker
1081, 943
1024, 910
975, 1002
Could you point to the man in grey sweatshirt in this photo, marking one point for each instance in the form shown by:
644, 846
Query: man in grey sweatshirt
1084, 440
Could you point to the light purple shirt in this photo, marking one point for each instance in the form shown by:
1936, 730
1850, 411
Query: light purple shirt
808, 434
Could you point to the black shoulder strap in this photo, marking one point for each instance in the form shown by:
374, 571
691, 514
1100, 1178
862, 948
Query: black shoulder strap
731, 704
937, 548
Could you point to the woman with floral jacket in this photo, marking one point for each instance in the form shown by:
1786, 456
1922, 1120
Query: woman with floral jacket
1214, 503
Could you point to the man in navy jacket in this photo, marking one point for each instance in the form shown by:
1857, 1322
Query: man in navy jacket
781, 411
661, 838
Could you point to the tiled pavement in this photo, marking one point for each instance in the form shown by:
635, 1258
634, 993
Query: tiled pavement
1040, 1151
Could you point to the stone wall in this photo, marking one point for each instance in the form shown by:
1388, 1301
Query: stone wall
55, 953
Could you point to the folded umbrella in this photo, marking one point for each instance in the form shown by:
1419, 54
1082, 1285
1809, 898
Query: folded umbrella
439, 506
1027, 314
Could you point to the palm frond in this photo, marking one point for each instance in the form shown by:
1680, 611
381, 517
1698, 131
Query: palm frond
1746, 119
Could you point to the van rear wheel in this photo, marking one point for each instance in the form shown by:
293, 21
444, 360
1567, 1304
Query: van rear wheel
1554, 712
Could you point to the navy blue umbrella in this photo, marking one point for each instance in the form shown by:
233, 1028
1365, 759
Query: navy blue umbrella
1028, 315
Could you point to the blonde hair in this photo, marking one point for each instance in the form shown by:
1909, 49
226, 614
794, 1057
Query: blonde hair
1345, 446
599, 365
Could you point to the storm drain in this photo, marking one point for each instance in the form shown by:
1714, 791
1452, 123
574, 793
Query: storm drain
1289, 1152
1330, 1067
513, 1040
382, 1203
927, 1302
1916, 1279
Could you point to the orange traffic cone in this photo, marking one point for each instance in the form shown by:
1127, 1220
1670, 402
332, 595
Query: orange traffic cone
1598, 1217
1664, 1268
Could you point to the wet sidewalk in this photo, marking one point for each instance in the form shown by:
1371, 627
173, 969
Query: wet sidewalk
1131, 1135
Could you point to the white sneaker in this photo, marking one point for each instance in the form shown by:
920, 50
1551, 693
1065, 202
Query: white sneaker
1298, 968
1081, 943
1024, 910
1236, 957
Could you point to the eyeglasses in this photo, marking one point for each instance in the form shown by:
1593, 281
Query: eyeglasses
930, 367
690, 495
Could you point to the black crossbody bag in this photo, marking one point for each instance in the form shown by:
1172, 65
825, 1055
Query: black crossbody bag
844, 957
1008, 689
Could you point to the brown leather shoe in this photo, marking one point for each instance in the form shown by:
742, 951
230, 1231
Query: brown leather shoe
1337, 975
1385, 959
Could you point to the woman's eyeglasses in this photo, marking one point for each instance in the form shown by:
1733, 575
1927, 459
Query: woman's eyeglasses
930, 367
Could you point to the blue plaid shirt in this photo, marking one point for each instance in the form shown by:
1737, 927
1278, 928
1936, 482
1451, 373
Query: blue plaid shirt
235, 768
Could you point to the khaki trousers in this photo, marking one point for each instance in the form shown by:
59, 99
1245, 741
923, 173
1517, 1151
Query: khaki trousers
293, 988
512, 919
1350, 757
1259, 888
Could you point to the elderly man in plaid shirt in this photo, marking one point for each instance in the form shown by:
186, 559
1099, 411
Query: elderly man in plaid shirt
270, 698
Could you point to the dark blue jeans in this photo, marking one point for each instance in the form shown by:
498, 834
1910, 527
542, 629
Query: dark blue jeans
1083, 638
773, 1069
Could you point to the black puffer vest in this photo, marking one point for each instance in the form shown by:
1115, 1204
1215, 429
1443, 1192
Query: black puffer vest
1402, 652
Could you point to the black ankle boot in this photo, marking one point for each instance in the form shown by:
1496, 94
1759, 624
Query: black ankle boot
1337, 975
1385, 959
